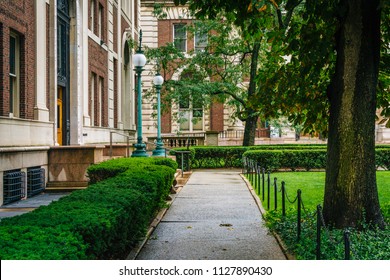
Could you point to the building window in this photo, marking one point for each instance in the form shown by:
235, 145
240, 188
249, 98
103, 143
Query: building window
100, 22
201, 39
180, 37
191, 115
92, 104
14, 74
92, 15
126, 8
100, 103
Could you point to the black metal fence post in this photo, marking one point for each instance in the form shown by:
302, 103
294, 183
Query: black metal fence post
283, 199
256, 177
276, 193
318, 246
252, 170
347, 245
263, 181
268, 188
299, 193
258, 169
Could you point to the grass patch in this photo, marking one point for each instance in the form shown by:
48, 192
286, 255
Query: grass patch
366, 245
312, 186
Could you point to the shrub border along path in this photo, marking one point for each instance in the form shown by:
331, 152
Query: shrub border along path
92, 223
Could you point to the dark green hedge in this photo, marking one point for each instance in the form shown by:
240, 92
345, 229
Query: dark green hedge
304, 159
111, 168
289, 159
382, 158
295, 156
102, 221
37, 243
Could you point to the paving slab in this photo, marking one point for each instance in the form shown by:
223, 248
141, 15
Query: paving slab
213, 217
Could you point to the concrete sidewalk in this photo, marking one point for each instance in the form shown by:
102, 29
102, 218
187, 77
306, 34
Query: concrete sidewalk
213, 217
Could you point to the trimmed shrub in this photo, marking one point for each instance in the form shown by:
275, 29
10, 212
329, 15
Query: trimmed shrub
382, 158
291, 159
303, 156
111, 168
36, 243
230, 156
108, 217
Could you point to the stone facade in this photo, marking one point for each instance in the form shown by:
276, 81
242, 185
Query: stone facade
159, 32
58, 113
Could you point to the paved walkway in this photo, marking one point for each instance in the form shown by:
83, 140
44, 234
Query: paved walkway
213, 217
27, 205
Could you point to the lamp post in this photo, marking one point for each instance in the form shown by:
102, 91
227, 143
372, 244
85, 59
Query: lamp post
159, 151
139, 61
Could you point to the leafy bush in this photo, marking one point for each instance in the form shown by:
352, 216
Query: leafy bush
369, 244
108, 217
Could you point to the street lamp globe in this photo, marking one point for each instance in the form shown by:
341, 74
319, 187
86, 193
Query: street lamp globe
139, 59
158, 80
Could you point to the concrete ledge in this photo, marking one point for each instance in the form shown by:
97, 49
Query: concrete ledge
23, 149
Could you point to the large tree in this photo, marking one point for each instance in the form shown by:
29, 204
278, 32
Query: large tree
335, 58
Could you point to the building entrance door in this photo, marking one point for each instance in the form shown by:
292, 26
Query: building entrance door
63, 99
59, 116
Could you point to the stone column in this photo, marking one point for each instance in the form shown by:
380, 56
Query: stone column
211, 138
41, 112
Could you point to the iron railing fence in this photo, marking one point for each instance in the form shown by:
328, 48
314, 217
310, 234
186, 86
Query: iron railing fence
261, 182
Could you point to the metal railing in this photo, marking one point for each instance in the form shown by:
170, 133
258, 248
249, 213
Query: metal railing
127, 145
239, 134
182, 140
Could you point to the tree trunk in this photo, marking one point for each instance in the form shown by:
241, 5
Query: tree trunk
250, 131
251, 120
351, 194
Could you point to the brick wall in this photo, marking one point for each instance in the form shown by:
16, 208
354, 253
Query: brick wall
98, 64
103, 4
115, 28
17, 16
216, 116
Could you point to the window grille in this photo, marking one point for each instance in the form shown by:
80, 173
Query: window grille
13, 185
35, 181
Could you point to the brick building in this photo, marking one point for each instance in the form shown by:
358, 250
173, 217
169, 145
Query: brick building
159, 32
67, 81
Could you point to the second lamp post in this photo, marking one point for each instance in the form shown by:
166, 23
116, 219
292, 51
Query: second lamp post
159, 151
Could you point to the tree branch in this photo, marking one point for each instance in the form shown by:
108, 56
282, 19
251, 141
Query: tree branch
234, 96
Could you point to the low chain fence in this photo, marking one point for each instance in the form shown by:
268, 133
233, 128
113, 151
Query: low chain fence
263, 184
